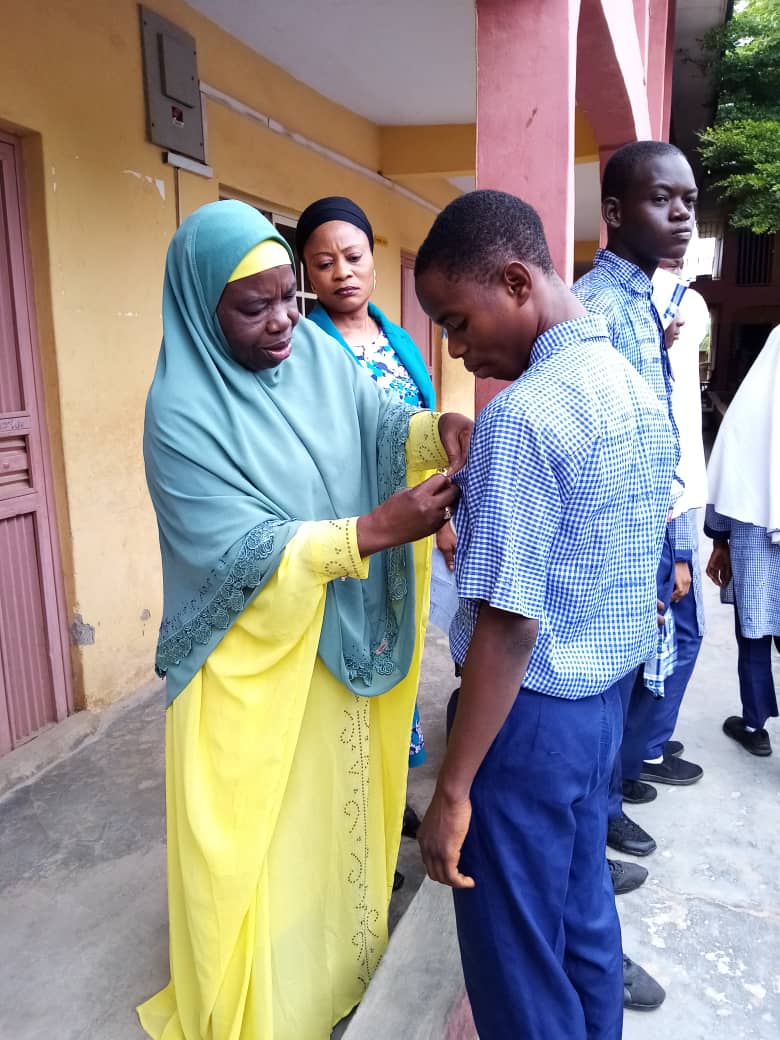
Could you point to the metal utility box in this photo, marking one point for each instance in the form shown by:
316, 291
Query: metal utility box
174, 115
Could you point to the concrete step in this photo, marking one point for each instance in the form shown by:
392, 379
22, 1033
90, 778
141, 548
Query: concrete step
418, 991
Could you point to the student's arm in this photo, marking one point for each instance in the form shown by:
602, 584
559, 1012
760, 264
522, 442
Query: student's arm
513, 492
681, 539
718, 528
492, 675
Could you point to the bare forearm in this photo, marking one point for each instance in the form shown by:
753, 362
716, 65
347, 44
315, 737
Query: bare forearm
492, 674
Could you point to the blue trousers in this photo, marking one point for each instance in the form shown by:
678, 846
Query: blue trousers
638, 704
663, 717
756, 685
539, 934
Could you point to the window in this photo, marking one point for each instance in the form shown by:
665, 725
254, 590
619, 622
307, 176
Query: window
286, 226
755, 258
703, 258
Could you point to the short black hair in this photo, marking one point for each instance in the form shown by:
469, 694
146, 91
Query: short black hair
479, 233
623, 165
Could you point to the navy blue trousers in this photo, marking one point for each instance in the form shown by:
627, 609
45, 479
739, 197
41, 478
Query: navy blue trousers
638, 704
539, 934
756, 685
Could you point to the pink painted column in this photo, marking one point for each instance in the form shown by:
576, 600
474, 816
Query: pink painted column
660, 58
642, 19
526, 77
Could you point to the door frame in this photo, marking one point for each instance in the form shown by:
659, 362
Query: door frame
48, 543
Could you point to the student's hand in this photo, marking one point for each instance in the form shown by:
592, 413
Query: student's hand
408, 515
455, 433
719, 565
446, 541
660, 610
682, 580
441, 836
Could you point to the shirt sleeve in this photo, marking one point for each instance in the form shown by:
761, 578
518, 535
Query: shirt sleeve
328, 549
716, 526
681, 537
424, 449
513, 505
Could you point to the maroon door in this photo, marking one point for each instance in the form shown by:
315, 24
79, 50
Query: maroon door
33, 675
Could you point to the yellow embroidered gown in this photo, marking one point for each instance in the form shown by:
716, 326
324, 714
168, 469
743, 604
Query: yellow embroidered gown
285, 794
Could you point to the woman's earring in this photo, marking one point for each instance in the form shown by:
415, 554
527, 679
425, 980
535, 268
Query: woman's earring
375, 278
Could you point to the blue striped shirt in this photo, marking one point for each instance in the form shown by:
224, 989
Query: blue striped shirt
563, 510
623, 294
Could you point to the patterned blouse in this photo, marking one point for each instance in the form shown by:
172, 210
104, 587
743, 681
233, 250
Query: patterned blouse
385, 368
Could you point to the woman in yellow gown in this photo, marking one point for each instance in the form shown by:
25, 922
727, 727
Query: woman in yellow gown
276, 468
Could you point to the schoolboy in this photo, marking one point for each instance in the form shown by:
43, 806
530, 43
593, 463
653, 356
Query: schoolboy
648, 198
684, 336
560, 523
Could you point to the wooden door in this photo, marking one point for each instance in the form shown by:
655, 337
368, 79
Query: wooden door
34, 688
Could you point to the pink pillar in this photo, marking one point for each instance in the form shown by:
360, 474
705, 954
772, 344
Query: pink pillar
659, 66
526, 74
611, 72
642, 19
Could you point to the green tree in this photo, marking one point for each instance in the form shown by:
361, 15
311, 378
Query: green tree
741, 151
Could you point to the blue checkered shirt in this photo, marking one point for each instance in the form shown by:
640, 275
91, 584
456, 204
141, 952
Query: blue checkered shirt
755, 563
563, 510
622, 293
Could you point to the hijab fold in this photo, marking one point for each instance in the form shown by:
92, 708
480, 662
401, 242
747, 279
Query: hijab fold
744, 467
236, 460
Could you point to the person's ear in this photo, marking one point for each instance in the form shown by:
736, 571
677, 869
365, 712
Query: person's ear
611, 212
518, 281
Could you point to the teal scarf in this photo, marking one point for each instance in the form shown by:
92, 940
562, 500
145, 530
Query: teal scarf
398, 338
236, 460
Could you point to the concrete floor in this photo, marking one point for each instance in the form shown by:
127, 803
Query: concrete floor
82, 875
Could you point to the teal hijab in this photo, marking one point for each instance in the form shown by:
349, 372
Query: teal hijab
237, 460
398, 338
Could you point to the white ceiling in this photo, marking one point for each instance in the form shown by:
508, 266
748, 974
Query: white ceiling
412, 61
395, 62
407, 62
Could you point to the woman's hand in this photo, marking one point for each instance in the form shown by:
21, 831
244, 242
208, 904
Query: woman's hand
719, 565
408, 515
455, 433
446, 541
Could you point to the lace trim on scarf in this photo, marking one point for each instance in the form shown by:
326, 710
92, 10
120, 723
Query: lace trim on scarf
246, 573
365, 662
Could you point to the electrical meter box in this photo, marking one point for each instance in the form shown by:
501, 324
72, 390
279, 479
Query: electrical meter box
174, 114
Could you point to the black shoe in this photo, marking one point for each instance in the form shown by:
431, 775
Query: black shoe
674, 771
673, 748
398, 880
640, 991
411, 823
625, 876
757, 742
637, 793
624, 835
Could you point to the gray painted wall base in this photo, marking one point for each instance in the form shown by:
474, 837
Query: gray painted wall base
418, 992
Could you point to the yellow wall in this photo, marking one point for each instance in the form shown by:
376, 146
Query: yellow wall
103, 208
584, 251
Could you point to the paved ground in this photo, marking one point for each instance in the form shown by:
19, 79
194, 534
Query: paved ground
82, 877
